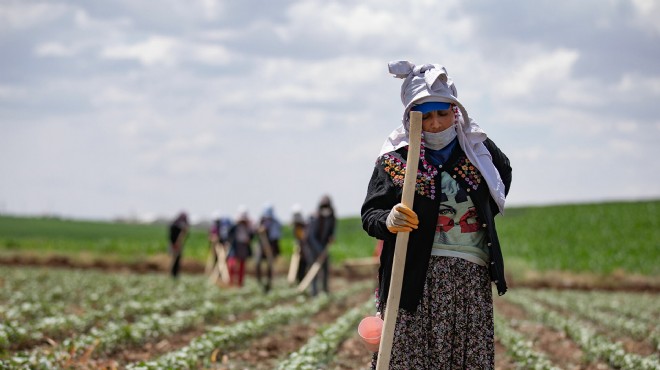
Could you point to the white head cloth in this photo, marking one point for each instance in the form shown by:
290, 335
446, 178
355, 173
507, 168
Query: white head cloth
431, 83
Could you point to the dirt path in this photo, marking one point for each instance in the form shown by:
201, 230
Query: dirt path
617, 281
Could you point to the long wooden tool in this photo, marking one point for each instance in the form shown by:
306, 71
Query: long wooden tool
311, 274
221, 252
293, 266
401, 246
220, 269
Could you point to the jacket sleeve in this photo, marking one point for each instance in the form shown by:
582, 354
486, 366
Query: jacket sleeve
501, 162
381, 196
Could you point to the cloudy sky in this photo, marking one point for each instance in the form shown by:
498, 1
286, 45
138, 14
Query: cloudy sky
145, 108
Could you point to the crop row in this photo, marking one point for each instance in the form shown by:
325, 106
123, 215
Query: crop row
319, 349
585, 336
203, 349
121, 307
644, 307
581, 306
22, 333
55, 293
98, 315
150, 326
519, 347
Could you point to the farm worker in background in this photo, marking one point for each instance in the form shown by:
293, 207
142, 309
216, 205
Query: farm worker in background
218, 235
178, 233
219, 230
214, 235
224, 226
298, 226
240, 240
320, 234
445, 315
270, 232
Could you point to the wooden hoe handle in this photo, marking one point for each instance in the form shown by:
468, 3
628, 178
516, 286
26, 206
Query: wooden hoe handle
313, 270
401, 246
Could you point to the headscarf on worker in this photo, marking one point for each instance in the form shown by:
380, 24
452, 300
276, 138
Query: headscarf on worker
431, 83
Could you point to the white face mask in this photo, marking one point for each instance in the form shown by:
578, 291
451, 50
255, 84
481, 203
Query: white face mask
439, 140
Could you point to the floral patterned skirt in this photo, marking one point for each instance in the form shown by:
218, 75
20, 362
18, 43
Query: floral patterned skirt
453, 325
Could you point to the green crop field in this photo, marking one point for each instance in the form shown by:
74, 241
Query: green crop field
66, 237
85, 319
64, 318
598, 238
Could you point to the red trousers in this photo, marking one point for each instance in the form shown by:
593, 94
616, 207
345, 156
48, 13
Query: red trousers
236, 271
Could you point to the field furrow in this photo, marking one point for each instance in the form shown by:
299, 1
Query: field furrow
610, 322
72, 319
208, 347
586, 337
520, 348
265, 352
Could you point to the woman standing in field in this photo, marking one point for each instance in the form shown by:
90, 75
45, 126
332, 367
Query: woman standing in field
445, 316
240, 240
298, 227
270, 232
178, 232
320, 234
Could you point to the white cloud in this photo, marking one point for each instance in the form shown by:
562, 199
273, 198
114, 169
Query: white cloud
211, 9
287, 80
92, 34
20, 15
580, 92
626, 147
155, 50
634, 84
216, 97
169, 51
87, 23
113, 95
211, 54
648, 13
628, 127
539, 71
531, 154
13, 92
351, 20
56, 49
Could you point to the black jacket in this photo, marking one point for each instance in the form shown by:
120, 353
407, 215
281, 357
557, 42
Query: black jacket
385, 190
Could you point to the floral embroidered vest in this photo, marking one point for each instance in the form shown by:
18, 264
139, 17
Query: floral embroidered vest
427, 175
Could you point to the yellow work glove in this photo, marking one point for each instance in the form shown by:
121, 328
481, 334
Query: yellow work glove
401, 218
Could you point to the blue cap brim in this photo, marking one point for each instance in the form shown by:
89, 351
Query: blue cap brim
431, 106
